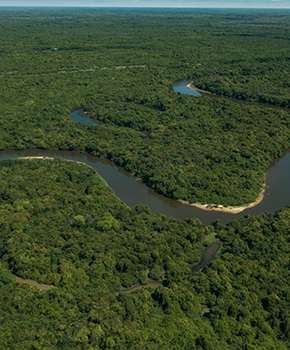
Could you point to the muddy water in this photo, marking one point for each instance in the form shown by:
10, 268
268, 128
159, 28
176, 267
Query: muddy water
132, 192
40, 286
207, 256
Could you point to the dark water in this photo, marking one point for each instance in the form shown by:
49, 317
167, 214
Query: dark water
152, 284
207, 256
80, 117
146, 135
133, 192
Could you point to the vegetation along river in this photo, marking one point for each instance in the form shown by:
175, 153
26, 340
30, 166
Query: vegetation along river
132, 192
182, 86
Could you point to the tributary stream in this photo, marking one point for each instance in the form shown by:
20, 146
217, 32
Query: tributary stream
207, 256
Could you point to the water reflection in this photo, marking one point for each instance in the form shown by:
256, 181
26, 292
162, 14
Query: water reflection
80, 117
181, 86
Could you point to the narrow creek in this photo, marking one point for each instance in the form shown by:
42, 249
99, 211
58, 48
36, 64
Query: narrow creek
207, 256
153, 285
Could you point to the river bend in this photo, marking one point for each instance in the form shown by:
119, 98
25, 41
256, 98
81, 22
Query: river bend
132, 192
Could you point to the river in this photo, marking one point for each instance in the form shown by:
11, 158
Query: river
181, 86
134, 192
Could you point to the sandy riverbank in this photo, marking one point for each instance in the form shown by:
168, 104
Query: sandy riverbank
207, 207
45, 157
229, 209
192, 87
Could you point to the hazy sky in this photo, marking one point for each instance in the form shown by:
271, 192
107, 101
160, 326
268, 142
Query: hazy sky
152, 3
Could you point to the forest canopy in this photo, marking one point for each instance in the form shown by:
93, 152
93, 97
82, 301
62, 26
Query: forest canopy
120, 67
60, 223
70, 230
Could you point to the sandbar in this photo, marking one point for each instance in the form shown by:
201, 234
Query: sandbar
192, 87
207, 207
229, 209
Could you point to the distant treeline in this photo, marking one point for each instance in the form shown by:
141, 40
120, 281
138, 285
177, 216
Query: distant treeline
199, 150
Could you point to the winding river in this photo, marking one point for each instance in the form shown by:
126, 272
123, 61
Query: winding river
181, 86
132, 192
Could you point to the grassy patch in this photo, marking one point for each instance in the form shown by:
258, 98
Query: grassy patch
211, 238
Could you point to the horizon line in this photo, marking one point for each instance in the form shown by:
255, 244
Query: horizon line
148, 7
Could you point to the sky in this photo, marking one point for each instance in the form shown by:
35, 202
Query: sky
152, 3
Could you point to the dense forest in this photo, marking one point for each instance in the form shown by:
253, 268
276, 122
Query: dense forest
70, 230
60, 223
120, 66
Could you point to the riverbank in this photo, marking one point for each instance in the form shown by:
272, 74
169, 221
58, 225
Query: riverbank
192, 87
206, 207
152, 284
229, 209
51, 158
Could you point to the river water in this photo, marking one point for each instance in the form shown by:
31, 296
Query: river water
79, 116
181, 86
134, 192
